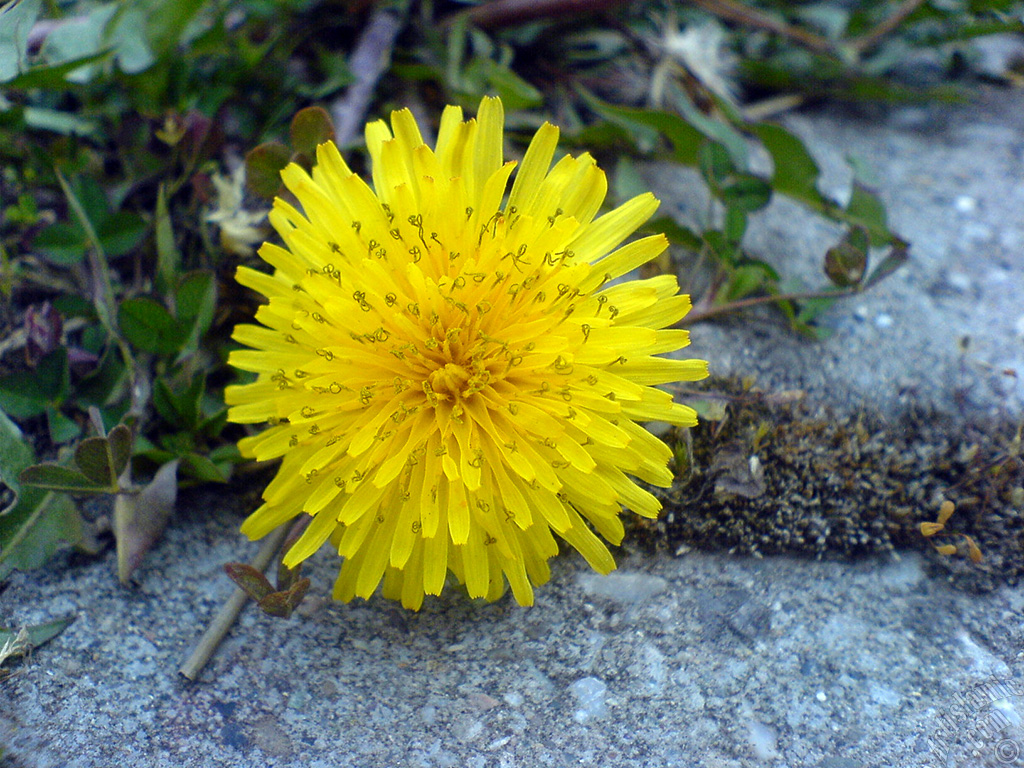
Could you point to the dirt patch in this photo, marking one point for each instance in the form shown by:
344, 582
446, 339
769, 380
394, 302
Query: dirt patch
769, 475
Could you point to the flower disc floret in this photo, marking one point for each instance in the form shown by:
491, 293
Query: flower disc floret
452, 378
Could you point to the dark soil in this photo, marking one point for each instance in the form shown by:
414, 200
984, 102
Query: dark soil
772, 476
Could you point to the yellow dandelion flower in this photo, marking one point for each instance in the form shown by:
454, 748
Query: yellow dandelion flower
451, 378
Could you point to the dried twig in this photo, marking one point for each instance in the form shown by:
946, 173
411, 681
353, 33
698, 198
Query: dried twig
870, 39
740, 13
369, 61
507, 13
733, 10
772, 107
223, 621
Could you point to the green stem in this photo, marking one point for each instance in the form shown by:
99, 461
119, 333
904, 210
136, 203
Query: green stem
699, 315
105, 301
103, 297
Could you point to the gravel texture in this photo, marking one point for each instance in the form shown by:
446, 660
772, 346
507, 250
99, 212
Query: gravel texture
701, 660
696, 660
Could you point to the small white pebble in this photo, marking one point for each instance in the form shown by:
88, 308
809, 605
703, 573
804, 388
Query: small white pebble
959, 281
820, 696
763, 741
884, 320
965, 204
590, 693
1019, 326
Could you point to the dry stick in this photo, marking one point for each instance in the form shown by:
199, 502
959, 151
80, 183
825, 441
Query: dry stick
219, 627
368, 62
870, 39
735, 11
506, 13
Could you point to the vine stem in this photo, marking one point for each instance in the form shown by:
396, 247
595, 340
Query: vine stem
228, 614
698, 315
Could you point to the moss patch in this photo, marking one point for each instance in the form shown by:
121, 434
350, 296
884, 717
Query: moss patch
766, 474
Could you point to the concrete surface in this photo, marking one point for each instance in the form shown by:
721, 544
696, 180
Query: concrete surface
952, 179
699, 660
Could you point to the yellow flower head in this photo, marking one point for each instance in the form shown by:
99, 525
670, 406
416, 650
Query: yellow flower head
450, 376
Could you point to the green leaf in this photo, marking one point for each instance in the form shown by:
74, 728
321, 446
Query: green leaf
40, 634
810, 309
139, 519
168, 257
16, 20
795, 173
249, 580
897, 257
95, 459
15, 453
867, 210
72, 305
88, 202
165, 405
709, 410
54, 77
263, 166
64, 123
287, 577
677, 233
627, 182
684, 138
310, 128
746, 192
78, 37
54, 477
224, 458
181, 409
21, 398
282, 604
743, 281
62, 244
721, 247
333, 76
120, 440
716, 130
91, 199
196, 302
846, 261
714, 164
201, 468
38, 521
121, 232
127, 33
24, 396
166, 24
515, 92
735, 225
62, 429
149, 327
106, 383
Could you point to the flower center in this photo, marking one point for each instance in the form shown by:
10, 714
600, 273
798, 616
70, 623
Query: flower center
451, 381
